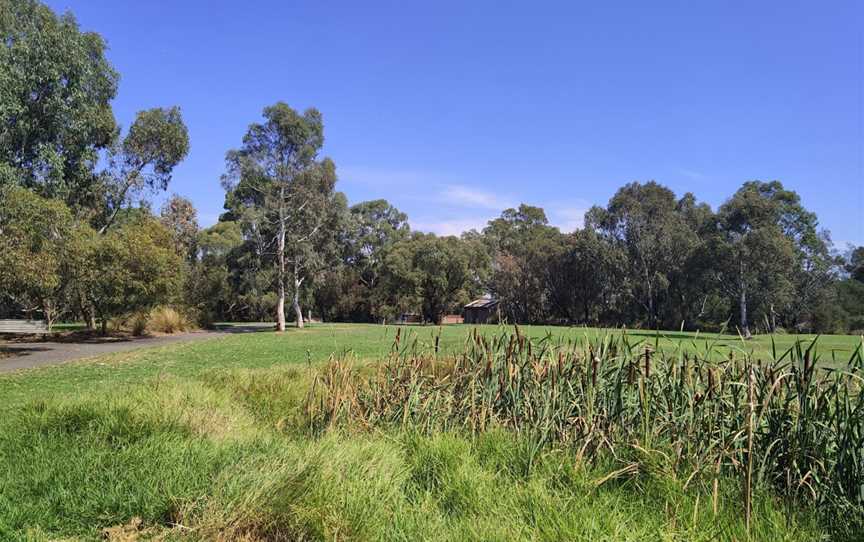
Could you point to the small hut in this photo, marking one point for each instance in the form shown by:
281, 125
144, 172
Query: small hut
481, 311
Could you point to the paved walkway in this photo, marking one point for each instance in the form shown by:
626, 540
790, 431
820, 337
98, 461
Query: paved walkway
20, 355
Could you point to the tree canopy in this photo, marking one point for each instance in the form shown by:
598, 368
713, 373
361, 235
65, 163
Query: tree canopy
54, 102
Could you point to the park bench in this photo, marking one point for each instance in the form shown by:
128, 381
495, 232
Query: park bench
23, 327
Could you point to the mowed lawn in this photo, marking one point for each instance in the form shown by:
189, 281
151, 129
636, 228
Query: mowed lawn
206, 441
317, 343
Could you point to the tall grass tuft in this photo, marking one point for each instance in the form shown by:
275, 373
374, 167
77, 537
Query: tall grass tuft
167, 320
787, 423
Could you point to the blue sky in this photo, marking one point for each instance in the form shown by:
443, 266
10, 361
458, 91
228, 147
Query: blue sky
455, 110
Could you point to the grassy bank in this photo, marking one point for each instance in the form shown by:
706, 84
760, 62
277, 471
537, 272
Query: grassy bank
225, 458
214, 440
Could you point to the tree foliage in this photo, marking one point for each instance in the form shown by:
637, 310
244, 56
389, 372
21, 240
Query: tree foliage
54, 103
282, 192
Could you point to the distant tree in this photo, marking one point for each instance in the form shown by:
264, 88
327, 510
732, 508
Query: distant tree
855, 264
279, 188
694, 301
374, 227
522, 243
762, 232
212, 288
55, 103
349, 290
217, 241
644, 220
178, 214
434, 275
850, 302
510, 231
586, 277
157, 141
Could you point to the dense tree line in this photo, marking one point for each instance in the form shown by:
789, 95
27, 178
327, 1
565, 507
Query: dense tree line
78, 239
648, 259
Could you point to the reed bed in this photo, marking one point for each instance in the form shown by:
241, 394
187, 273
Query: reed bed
790, 423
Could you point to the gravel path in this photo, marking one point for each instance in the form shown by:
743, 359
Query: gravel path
14, 356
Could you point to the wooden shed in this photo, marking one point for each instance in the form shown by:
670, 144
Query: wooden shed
452, 319
481, 311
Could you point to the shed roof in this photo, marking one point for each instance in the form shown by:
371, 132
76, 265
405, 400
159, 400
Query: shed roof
485, 302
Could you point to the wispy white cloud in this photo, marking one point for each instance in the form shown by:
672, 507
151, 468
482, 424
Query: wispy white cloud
568, 219
450, 227
458, 206
465, 196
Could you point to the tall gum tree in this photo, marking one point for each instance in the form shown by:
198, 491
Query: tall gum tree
645, 221
765, 241
277, 186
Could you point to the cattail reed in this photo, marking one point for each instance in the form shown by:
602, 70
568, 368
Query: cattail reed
791, 425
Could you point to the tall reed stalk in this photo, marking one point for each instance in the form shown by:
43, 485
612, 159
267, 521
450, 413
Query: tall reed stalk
789, 423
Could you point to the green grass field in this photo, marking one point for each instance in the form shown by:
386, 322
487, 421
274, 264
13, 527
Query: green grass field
317, 343
206, 441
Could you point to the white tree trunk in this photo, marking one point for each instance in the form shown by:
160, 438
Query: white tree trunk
280, 242
298, 313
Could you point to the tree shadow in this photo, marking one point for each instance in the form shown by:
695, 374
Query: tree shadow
18, 351
678, 335
251, 327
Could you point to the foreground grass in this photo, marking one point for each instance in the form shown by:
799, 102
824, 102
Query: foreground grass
207, 441
224, 457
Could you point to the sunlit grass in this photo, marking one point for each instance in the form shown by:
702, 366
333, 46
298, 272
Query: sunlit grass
213, 440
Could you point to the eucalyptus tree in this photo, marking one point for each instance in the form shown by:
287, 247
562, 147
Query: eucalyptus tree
855, 264
762, 233
156, 142
850, 292
55, 111
280, 190
522, 244
212, 289
645, 222
430, 274
374, 226
586, 276
178, 214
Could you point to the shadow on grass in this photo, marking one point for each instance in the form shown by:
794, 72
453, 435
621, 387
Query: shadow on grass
681, 336
246, 327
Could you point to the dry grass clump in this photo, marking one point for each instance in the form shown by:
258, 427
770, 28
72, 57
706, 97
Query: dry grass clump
167, 320
138, 323
162, 319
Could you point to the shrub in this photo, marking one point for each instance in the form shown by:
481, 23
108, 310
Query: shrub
138, 324
167, 320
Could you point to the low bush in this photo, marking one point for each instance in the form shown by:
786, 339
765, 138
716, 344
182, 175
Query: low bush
167, 320
138, 324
